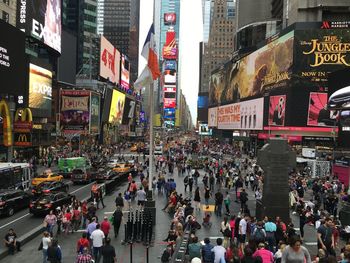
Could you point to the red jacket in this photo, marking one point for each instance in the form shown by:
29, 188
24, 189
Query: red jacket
105, 227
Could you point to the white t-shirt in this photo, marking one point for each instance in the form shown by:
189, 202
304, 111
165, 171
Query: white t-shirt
243, 227
219, 252
46, 242
97, 237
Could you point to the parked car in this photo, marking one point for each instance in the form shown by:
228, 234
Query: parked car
82, 175
13, 200
47, 176
45, 203
49, 187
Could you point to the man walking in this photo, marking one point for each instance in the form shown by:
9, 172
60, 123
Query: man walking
117, 220
108, 252
219, 198
97, 237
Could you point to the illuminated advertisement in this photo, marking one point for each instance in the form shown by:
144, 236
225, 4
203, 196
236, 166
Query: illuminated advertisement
142, 117
169, 88
277, 110
318, 113
169, 77
125, 73
117, 107
320, 52
202, 102
109, 61
169, 113
129, 110
40, 88
95, 113
169, 19
246, 115
170, 46
267, 68
169, 65
169, 102
41, 19
213, 117
204, 130
74, 111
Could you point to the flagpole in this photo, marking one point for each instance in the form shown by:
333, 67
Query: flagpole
151, 105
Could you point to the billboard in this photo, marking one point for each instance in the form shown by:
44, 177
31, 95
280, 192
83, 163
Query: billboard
129, 110
169, 65
125, 73
95, 102
142, 117
169, 19
202, 102
170, 46
277, 110
319, 52
109, 61
318, 113
246, 115
74, 111
169, 113
41, 19
266, 69
12, 60
169, 77
204, 130
213, 117
169, 102
117, 107
40, 88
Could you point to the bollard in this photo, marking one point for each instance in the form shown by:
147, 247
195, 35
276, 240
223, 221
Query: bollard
130, 251
147, 254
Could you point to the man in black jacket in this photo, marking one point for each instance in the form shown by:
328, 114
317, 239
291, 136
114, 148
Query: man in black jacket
219, 198
117, 220
119, 201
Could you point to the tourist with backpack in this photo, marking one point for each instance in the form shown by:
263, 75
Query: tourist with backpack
259, 234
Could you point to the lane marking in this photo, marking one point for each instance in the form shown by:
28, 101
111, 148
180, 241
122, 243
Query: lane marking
311, 243
19, 218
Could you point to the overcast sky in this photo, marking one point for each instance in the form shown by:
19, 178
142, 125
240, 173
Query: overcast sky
191, 33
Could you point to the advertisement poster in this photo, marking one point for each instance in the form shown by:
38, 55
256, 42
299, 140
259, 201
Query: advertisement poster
246, 115
320, 52
204, 130
277, 110
74, 111
202, 102
95, 113
41, 19
213, 117
142, 117
169, 19
318, 114
170, 46
169, 103
109, 61
169, 113
265, 69
117, 107
40, 88
129, 110
12, 60
169, 65
125, 78
170, 77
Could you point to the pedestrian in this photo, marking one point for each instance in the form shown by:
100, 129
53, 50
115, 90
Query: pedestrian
207, 195
67, 221
76, 219
97, 237
105, 226
227, 202
325, 237
91, 227
54, 252
219, 198
270, 228
119, 201
186, 179
207, 253
243, 224
197, 199
194, 248
50, 221
11, 242
117, 220
83, 243
266, 255
45, 242
141, 197
226, 232
219, 251
108, 252
243, 197
190, 182
295, 252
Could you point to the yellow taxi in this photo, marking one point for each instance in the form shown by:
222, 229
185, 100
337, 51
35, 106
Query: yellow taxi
122, 167
133, 148
47, 176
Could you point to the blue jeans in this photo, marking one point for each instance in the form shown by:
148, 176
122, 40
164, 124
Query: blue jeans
44, 255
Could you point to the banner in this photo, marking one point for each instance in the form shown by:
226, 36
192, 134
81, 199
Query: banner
246, 115
204, 130
41, 19
277, 110
117, 107
256, 74
109, 61
170, 46
213, 117
94, 113
40, 88
129, 110
74, 111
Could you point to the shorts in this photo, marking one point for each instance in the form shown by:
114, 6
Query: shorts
241, 238
141, 203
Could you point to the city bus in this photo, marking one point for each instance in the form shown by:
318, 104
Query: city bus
15, 176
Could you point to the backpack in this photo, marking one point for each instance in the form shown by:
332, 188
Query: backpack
259, 234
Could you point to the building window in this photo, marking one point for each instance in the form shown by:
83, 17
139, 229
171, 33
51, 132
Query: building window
7, 2
5, 16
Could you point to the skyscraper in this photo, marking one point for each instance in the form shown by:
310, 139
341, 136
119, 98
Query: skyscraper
8, 11
121, 28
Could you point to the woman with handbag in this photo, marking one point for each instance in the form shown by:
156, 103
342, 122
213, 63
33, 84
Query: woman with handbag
226, 231
44, 245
